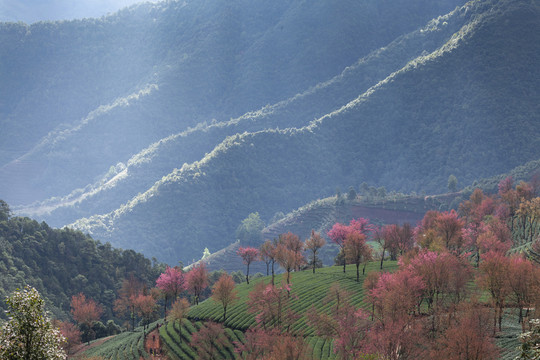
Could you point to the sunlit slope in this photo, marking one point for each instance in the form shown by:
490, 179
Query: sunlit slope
454, 111
124, 181
68, 109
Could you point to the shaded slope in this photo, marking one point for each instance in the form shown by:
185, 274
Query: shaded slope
60, 263
320, 215
206, 60
156, 161
440, 109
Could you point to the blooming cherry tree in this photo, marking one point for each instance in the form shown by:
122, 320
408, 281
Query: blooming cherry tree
248, 255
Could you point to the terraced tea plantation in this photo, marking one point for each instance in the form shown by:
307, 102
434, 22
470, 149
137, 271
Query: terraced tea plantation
125, 346
307, 290
177, 340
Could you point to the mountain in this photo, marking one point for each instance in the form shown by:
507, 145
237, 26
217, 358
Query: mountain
60, 263
30, 11
124, 181
398, 95
456, 110
81, 96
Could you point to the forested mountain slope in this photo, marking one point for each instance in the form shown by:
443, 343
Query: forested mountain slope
123, 182
469, 108
320, 215
60, 263
78, 97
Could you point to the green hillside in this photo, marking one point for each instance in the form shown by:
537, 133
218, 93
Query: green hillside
307, 290
60, 263
125, 346
441, 114
307, 287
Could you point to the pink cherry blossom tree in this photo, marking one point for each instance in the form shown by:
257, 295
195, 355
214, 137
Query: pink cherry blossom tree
248, 255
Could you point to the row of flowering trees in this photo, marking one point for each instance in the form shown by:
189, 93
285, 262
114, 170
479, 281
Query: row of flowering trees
287, 251
427, 308
136, 303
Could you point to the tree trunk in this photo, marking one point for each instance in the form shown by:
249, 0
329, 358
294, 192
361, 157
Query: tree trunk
165, 307
247, 275
357, 272
272, 272
133, 318
512, 223
495, 321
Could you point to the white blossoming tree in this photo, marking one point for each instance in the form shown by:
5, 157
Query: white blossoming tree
29, 333
530, 342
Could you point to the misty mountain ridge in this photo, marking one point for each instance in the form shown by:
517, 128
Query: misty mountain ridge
435, 100
156, 161
206, 58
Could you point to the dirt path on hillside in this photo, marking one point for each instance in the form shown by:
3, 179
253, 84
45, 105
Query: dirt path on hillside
152, 346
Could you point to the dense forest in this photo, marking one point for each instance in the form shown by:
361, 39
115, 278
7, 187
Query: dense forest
153, 70
61, 263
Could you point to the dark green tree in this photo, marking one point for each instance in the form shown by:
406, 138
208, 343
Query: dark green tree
5, 212
452, 183
530, 341
351, 195
381, 192
364, 189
